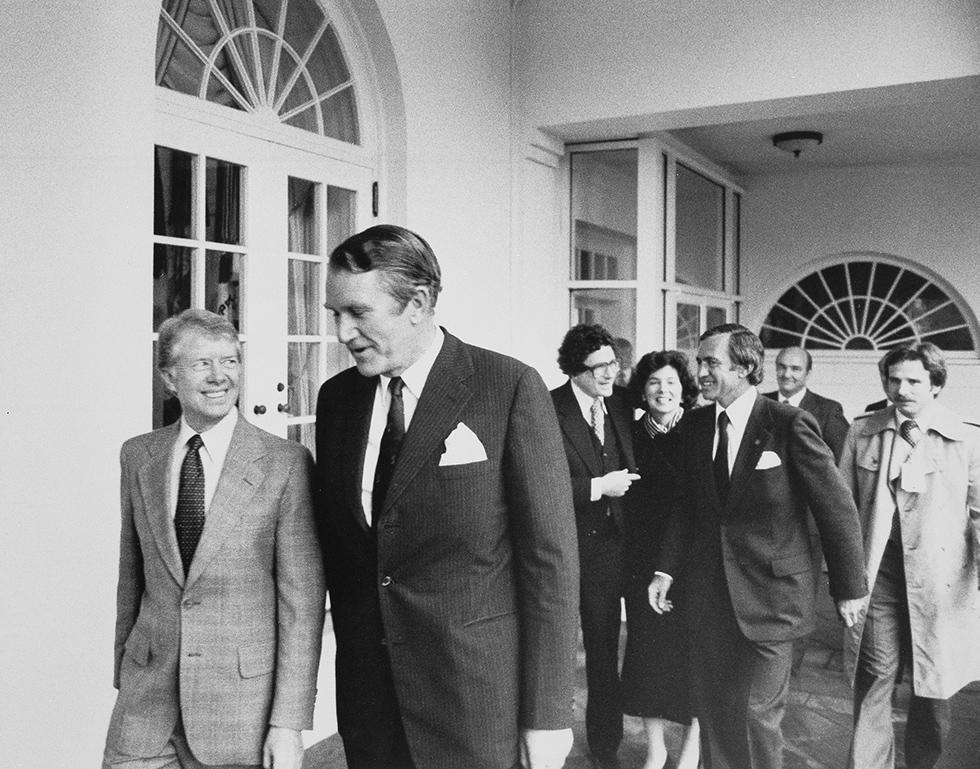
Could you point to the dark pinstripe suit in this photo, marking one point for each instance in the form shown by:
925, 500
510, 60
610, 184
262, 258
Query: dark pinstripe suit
461, 611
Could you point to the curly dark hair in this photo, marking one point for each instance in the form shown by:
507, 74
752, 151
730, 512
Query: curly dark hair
579, 343
654, 361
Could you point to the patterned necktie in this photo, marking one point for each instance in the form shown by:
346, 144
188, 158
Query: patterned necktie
721, 458
598, 421
910, 431
391, 442
189, 520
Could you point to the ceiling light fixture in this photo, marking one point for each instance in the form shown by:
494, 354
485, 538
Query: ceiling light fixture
797, 141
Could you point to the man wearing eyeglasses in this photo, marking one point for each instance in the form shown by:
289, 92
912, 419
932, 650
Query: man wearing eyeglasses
595, 423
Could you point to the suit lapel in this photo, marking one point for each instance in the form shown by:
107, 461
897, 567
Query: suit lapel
575, 427
355, 437
154, 477
703, 438
754, 439
446, 392
239, 479
619, 414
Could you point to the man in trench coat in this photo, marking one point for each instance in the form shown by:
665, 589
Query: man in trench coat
919, 503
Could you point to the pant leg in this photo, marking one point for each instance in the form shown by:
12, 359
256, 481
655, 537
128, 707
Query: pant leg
926, 731
740, 686
601, 614
767, 668
873, 740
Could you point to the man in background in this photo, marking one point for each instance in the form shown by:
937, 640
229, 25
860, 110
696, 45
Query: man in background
219, 612
596, 427
793, 367
751, 468
446, 528
914, 469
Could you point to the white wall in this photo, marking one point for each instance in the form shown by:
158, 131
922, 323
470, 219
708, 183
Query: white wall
928, 215
454, 61
75, 150
584, 61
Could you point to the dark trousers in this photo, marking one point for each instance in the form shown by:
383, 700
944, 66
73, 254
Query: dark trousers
885, 644
739, 686
601, 556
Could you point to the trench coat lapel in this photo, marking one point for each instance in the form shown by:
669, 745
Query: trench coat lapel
240, 478
153, 480
445, 395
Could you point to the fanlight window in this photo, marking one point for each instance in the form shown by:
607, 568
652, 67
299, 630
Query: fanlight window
866, 305
279, 59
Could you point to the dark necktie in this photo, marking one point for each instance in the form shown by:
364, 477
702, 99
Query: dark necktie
189, 520
391, 442
721, 458
910, 431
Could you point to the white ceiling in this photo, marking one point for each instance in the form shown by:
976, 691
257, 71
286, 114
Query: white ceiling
931, 123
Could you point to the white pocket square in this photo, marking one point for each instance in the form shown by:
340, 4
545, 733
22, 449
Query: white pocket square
768, 460
462, 447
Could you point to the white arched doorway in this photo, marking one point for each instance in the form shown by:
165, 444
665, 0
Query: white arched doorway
272, 142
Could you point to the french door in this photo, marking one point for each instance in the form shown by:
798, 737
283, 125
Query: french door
243, 226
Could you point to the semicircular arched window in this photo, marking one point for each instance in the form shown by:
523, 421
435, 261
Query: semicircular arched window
867, 305
278, 59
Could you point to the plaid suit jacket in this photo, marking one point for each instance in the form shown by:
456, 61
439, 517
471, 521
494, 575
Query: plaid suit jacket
234, 646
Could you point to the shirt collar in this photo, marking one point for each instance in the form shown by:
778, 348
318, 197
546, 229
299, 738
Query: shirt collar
795, 399
923, 420
740, 409
585, 400
416, 375
216, 440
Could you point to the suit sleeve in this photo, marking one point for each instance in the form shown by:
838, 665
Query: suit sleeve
835, 429
300, 600
832, 505
129, 589
546, 552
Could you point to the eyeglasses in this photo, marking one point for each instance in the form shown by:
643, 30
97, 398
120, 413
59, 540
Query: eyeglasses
612, 367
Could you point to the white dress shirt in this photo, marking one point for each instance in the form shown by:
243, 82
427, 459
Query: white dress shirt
585, 401
795, 399
739, 412
414, 378
213, 452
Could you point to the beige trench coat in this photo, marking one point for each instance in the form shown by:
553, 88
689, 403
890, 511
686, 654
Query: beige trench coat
940, 539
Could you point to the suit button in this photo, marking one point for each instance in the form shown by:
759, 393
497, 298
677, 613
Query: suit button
385, 581
190, 603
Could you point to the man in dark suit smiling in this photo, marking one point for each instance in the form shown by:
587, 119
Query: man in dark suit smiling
596, 430
447, 533
793, 367
751, 467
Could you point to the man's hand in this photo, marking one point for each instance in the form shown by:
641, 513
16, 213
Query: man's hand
617, 483
849, 609
545, 748
657, 593
283, 749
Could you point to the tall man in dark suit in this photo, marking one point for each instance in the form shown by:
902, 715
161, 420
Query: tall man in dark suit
219, 611
793, 367
751, 467
595, 426
446, 528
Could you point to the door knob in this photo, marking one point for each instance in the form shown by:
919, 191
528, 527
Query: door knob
260, 409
